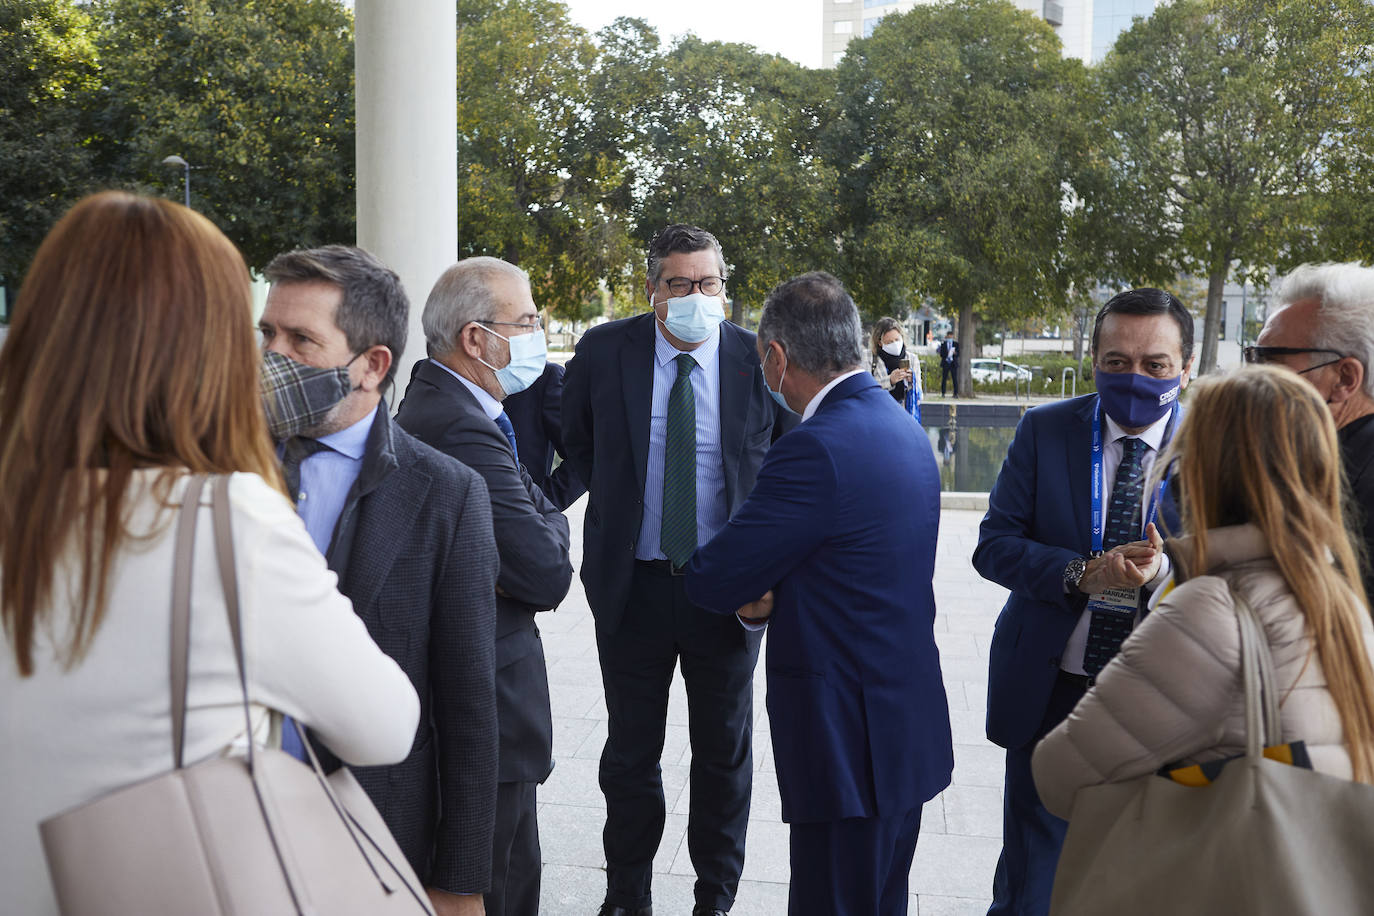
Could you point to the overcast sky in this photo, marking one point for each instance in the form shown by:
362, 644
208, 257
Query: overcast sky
788, 27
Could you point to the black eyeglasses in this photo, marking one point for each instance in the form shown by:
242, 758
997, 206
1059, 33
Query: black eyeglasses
682, 286
527, 325
1262, 355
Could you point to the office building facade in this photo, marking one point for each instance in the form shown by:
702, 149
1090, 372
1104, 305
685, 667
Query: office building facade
1087, 28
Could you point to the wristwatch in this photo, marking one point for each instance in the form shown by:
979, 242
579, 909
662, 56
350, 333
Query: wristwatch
1073, 573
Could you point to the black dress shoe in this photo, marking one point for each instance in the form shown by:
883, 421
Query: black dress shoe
702, 909
610, 909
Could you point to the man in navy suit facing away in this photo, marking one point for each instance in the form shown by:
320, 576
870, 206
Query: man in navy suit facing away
835, 550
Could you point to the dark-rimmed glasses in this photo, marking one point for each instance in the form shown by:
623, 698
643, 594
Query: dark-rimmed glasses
682, 286
1262, 355
534, 325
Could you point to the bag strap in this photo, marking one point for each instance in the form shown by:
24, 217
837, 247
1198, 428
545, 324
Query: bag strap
1263, 723
224, 553
181, 610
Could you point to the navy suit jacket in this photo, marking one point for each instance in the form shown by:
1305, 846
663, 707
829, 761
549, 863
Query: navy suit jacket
844, 534
607, 402
1039, 518
414, 552
532, 542
537, 415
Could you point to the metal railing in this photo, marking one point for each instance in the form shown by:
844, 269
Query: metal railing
1070, 370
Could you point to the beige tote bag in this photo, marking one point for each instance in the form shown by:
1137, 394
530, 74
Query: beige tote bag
254, 836
1264, 839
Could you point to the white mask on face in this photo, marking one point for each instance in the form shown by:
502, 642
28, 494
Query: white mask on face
893, 349
694, 317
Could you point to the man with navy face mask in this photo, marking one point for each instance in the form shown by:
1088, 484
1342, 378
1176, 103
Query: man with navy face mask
484, 339
1070, 530
666, 419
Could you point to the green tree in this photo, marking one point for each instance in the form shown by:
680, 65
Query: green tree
47, 71
540, 182
257, 95
733, 144
1223, 119
961, 141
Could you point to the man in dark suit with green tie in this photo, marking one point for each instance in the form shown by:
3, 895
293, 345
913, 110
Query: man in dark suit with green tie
666, 420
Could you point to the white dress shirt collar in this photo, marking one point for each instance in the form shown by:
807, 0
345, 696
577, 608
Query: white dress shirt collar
1153, 436
815, 402
490, 406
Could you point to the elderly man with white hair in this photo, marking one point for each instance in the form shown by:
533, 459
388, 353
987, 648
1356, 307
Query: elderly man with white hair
1323, 330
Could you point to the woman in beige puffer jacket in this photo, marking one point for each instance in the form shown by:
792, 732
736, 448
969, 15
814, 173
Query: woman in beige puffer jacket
1174, 694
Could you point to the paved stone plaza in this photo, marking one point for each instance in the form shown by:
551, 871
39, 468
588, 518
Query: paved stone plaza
960, 831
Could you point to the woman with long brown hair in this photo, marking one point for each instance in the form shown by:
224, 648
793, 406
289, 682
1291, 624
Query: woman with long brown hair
1261, 503
131, 363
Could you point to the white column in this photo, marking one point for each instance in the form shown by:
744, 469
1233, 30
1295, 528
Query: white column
407, 97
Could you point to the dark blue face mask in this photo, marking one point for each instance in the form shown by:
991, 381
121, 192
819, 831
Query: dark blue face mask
1136, 401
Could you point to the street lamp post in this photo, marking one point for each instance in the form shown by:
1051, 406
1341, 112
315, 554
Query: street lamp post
178, 162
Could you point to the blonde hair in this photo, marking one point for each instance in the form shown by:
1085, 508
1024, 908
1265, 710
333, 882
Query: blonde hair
1258, 446
132, 347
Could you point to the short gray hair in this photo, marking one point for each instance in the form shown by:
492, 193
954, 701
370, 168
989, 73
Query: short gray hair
463, 294
1345, 316
681, 237
817, 324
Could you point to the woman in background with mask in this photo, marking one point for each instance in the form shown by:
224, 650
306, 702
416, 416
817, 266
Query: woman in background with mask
891, 360
131, 364
1259, 472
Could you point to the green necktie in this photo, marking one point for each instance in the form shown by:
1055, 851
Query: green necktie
678, 535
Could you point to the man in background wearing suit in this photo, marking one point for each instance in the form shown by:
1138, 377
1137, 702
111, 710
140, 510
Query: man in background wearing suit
408, 530
537, 415
484, 340
1071, 604
835, 549
666, 420
1323, 329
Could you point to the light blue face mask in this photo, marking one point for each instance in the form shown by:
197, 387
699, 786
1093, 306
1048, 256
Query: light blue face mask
528, 354
777, 395
691, 319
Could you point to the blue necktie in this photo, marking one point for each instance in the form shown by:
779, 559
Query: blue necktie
1107, 630
508, 428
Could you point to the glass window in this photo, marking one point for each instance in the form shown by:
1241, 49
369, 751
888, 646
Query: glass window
844, 26
872, 3
836, 58
870, 24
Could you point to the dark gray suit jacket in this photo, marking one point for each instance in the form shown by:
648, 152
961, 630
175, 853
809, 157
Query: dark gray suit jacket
414, 551
537, 415
607, 401
532, 541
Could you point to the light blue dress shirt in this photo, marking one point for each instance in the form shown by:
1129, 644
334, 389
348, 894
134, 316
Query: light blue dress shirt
328, 475
326, 478
712, 512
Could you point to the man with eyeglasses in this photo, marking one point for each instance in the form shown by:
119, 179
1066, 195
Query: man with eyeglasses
485, 343
666, 419
1323, 330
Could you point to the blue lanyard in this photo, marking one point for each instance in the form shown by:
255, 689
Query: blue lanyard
1098, 521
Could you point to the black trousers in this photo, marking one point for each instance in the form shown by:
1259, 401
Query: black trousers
515, 860
662, 629
949, 372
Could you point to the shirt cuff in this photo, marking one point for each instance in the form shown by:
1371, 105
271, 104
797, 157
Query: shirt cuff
1166, 568
753, 626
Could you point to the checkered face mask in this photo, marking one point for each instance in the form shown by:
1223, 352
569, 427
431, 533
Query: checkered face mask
298, 397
